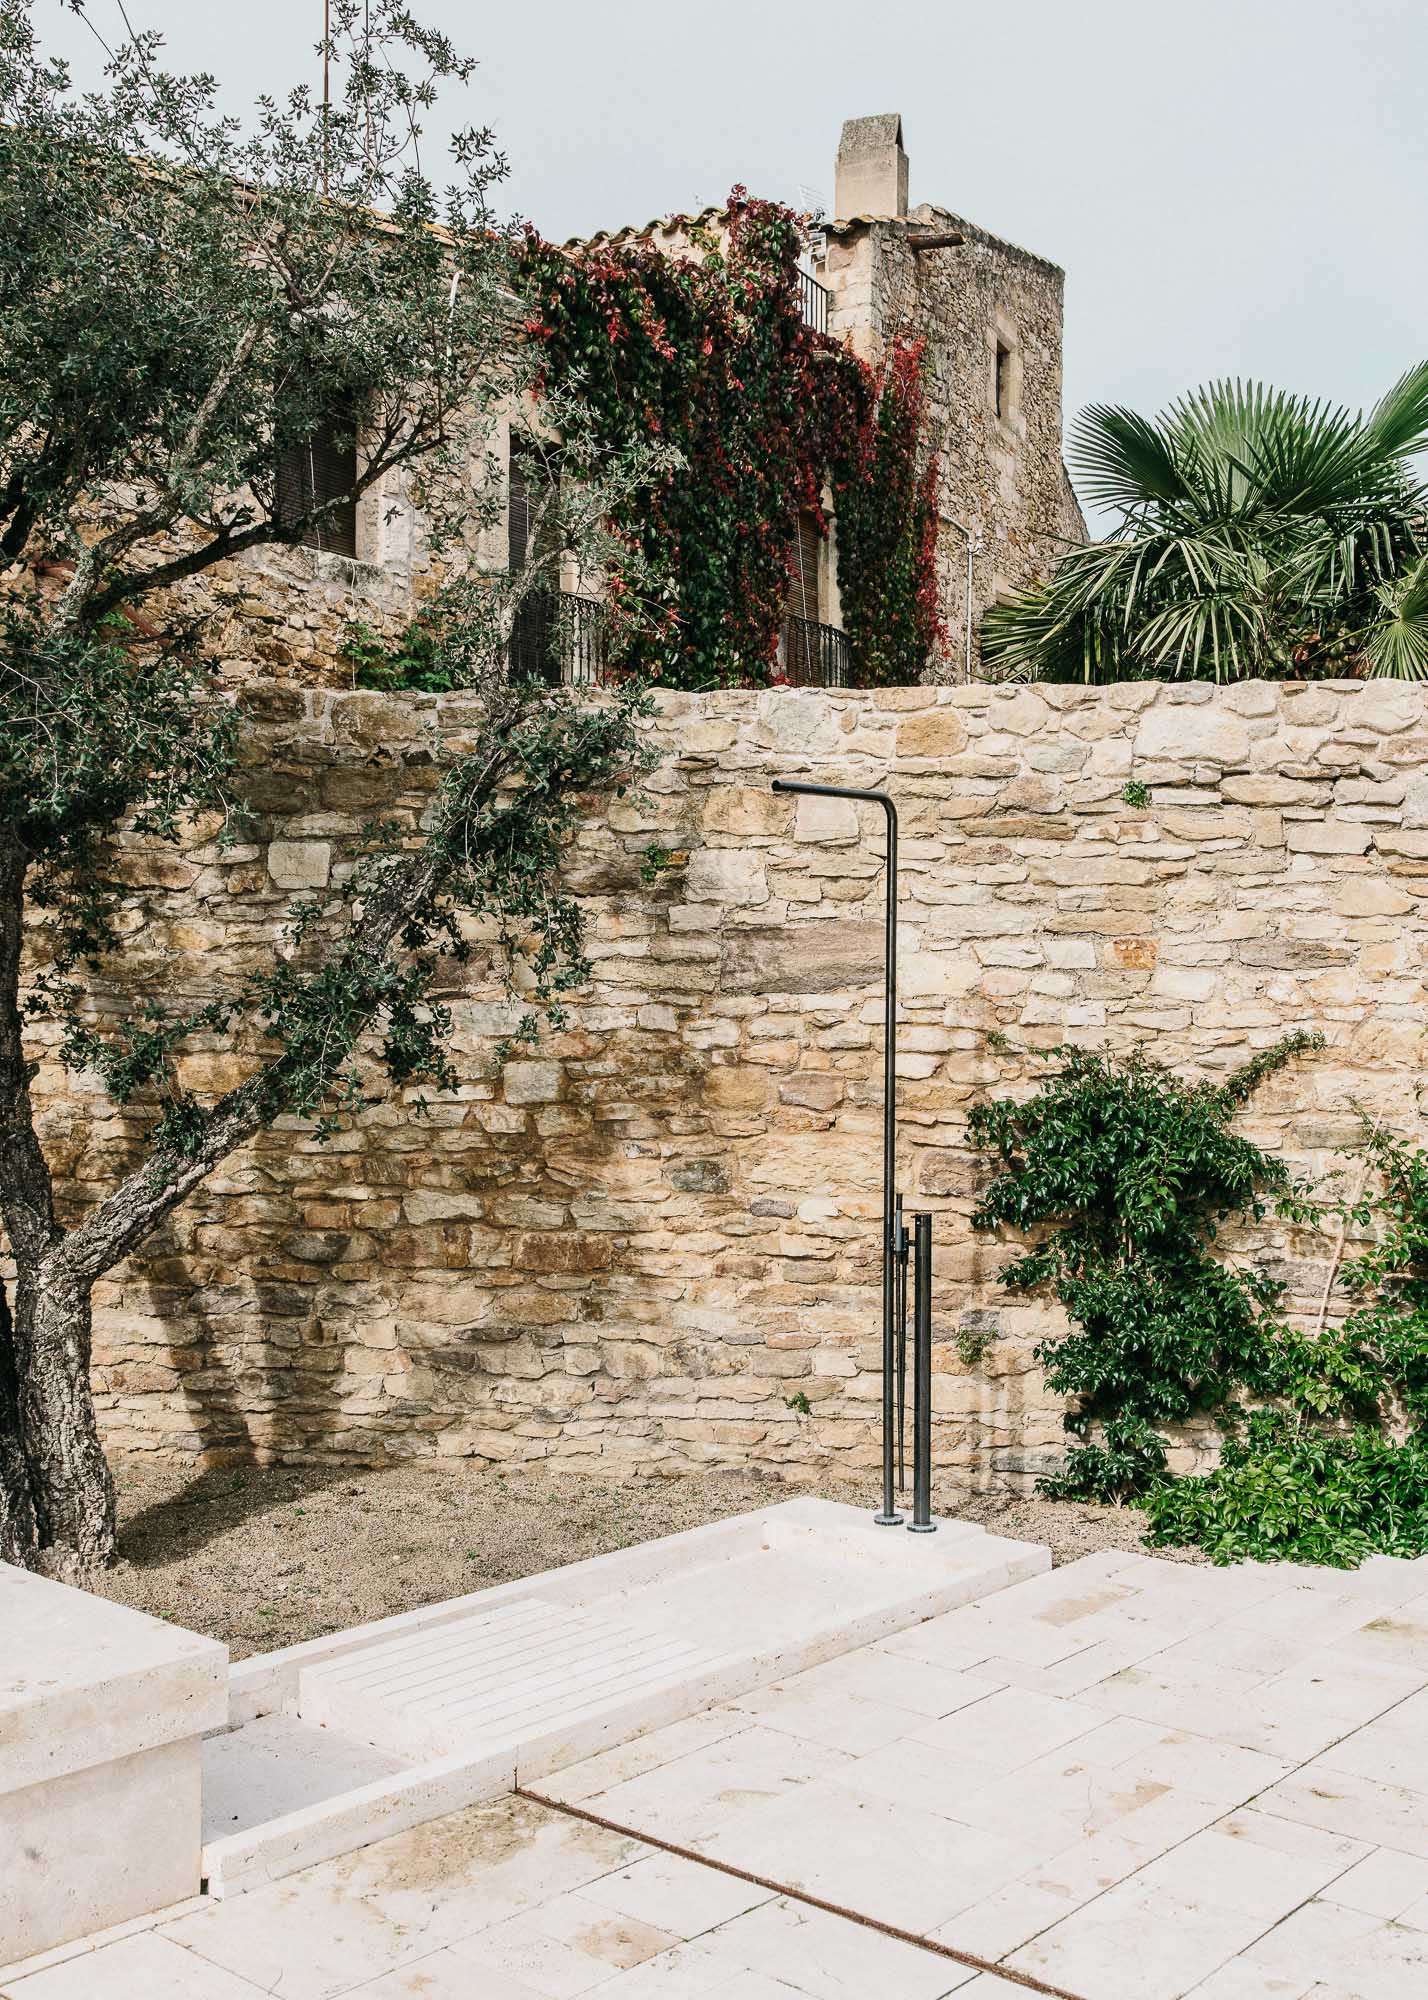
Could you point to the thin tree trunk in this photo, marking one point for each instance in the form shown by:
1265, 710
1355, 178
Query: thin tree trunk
17, 1508
57, 1491
28, 1211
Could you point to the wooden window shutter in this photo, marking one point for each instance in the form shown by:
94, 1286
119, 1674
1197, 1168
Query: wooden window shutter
322, 468
532, 522
803, 568
519, 512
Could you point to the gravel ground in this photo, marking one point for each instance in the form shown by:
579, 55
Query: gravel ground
264, 1556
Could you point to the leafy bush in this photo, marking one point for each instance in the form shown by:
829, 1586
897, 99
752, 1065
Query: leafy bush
1295, 1493
415, 661
1129, 1171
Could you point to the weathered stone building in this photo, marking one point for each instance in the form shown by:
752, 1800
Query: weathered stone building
989, 316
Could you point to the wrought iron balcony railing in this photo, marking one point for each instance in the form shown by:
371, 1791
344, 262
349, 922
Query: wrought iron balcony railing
813, 300
559, 638
816, 655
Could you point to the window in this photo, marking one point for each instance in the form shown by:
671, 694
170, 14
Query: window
532, 521
322, 469
535, 650
520, 513
803, 568
1002, 380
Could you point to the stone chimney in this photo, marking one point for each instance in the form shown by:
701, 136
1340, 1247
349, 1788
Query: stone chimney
872, 168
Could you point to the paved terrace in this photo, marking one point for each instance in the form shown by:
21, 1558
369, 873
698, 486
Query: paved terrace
1127, 1779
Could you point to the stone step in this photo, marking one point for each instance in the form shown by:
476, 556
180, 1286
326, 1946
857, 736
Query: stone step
472, 1696
509, 1675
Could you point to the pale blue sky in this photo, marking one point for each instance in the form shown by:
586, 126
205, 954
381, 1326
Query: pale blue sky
1233, 186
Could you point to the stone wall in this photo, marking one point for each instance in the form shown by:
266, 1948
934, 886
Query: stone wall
653, 1244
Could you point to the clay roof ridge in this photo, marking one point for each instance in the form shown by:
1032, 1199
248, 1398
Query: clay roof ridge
658, 225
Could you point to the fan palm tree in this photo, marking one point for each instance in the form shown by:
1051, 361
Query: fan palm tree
1260, 534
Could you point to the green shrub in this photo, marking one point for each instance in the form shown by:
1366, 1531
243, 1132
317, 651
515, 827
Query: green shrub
1294, 1493
1128, 1171
415, 661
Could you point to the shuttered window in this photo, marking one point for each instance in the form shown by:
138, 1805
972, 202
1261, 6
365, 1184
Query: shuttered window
520, 513
324, 468
803, 568
532, 522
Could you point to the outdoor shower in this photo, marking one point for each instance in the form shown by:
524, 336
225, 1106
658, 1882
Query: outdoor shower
896, 1243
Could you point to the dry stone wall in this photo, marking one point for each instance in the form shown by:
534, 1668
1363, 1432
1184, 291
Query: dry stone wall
653, 1243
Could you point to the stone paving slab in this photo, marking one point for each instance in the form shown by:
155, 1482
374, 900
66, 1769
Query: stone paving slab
1130, 1779
458, 1701
505, 1901
1126, 1780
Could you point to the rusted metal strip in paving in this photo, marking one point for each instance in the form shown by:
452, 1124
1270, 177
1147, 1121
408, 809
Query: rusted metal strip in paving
971, 1959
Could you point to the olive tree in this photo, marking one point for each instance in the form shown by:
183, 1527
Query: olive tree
182, 298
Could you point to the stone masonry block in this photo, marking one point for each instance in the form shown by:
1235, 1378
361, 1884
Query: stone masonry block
300, 864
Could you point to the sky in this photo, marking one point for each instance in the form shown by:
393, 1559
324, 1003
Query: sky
1233, 187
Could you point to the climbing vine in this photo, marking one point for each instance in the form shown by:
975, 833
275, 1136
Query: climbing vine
1339, 1468
886, 496
1123, 1174
1127, 1173
709, 353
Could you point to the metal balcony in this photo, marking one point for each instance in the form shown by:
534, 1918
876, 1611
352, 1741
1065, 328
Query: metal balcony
813, 302
559, 638
816, 655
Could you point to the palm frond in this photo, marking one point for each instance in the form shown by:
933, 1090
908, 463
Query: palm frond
1217, 629
1129, 608
1124, 461
1396, 646
1398, 422
1259, 450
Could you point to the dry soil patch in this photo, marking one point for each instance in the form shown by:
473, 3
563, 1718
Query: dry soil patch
262, 1556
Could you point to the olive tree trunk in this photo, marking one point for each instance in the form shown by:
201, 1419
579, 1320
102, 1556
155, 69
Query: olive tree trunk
17, 1506
55, 1488
62, 1478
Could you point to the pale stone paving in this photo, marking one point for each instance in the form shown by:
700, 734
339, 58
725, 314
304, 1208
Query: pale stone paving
1128, 1779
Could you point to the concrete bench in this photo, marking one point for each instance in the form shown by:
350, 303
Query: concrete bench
101, 1712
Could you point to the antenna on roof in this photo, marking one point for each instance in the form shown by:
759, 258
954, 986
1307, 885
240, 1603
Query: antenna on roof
811, 202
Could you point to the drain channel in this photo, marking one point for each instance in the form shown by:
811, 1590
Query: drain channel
1027, 1980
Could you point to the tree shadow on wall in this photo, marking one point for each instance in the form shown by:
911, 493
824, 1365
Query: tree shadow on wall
264, 1425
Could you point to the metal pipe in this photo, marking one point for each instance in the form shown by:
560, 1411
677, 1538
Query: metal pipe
889, 1517
901, 1249
922, 1522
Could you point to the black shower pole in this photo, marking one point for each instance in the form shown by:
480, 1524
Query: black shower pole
889, 1517
922, 1522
